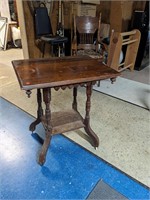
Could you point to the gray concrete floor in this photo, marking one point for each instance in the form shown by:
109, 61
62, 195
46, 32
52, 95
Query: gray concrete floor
142, 76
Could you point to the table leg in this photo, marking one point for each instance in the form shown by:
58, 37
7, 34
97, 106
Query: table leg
39, 111
87, 128
47, 126
74, 104
43, 151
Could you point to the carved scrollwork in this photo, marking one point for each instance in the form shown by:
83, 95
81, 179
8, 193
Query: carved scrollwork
113, 80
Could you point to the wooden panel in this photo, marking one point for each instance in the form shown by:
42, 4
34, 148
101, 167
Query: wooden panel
21, 21
116, 16
34, 51
104, 9
54, 17
68, 20
120, 15
114, 50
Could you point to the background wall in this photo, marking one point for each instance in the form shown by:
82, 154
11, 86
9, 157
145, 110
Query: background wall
117, 13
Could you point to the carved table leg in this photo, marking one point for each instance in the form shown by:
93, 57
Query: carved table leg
87, 128
39, 111
43, 151
74, 104
47, 126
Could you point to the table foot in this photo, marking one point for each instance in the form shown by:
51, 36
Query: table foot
87, 128
42, 155
93, 136
41, 160
33, 124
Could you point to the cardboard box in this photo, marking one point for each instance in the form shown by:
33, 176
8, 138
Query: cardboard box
86, 10
91, 1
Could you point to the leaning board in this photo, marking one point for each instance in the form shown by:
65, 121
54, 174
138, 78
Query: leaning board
3, 32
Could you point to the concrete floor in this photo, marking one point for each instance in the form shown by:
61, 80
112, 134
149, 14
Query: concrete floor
142, 76
123, 128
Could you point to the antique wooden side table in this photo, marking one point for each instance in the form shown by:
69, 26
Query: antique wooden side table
66, 72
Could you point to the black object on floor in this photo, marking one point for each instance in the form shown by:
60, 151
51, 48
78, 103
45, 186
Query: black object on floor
104, 191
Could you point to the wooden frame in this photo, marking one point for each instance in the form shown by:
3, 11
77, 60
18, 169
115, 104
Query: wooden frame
118, 41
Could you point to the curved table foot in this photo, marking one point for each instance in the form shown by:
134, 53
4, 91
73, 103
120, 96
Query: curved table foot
42, 159
33, 124
42, 155
92, 135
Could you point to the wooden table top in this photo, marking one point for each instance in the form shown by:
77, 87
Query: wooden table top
53, 72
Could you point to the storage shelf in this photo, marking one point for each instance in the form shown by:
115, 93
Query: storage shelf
65, 121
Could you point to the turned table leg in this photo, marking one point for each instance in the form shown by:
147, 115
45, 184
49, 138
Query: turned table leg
47, 126
39, 111
43, 151
74, 104
87, 128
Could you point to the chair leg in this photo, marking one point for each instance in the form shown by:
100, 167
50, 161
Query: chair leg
52, 50
43, 50
63, 49
58, 50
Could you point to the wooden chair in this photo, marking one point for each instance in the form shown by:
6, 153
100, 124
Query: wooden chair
86, 33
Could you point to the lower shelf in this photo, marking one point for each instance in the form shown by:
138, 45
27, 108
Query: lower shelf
65, 121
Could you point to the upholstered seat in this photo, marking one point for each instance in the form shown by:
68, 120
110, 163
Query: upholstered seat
44, 31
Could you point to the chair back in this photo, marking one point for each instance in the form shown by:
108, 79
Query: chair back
87, 31
42, 22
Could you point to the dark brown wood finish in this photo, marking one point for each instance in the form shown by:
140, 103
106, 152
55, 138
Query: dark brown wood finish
42, 73
39, 111
66, 72
86, 28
